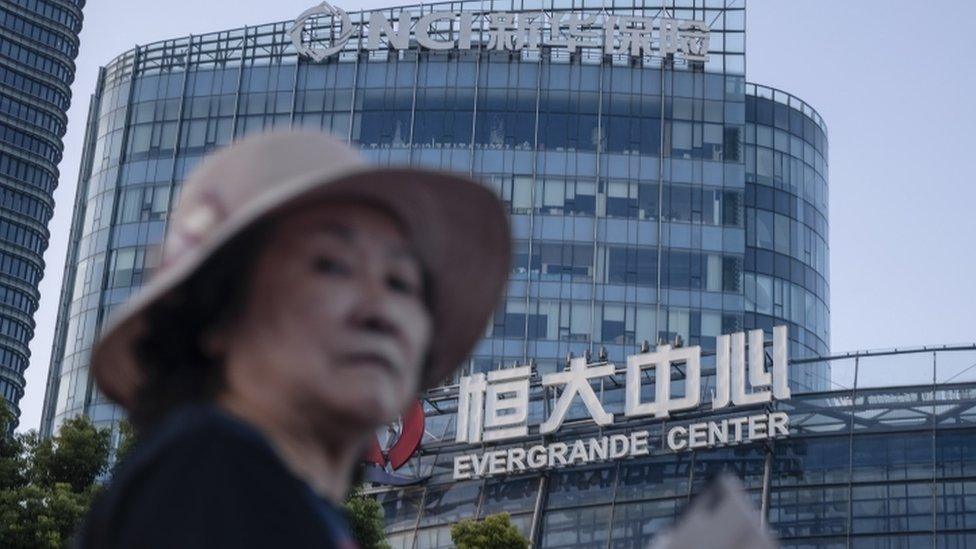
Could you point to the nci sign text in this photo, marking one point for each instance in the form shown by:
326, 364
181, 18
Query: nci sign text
324, 30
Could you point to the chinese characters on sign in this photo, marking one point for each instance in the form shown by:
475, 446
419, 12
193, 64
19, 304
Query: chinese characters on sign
324, 30
496, 407
477, 397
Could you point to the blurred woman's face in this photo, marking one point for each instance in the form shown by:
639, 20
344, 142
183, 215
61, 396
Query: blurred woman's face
335, 320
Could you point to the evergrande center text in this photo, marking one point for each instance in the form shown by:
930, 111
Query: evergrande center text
620, 446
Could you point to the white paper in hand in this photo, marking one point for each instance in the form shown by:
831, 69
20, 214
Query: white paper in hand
721, 517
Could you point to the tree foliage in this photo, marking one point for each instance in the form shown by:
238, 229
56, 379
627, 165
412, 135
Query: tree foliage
76, 456
47, 485
38, 516
365, 516
13, 455
494, 532
127, 440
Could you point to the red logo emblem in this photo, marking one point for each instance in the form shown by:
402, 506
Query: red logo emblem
402, 443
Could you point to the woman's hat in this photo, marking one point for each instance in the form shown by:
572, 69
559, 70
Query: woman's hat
457, 227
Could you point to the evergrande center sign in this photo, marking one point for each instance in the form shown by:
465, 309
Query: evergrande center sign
495, 408
324, 30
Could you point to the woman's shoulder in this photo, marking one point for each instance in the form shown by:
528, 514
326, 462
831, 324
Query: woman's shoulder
198, 473
201, 432
202, 444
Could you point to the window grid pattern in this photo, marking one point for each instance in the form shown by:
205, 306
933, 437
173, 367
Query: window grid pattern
625, 183
864, 466
38, 44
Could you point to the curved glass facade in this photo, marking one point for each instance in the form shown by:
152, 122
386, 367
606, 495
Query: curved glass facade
642, 203
786, 250
38, 45
648, 200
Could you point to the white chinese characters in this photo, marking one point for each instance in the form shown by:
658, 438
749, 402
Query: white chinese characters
496, 409
577, 382
731, 349
496, 406
324, 30
661, 360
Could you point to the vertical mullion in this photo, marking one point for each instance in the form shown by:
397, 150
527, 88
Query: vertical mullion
110, 240
850, 455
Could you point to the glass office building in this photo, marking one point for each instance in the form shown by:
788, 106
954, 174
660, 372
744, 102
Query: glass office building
38, 45
884, 459
651, 197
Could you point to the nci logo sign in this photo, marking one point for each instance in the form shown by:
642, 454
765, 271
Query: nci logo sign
495, 407
324, 30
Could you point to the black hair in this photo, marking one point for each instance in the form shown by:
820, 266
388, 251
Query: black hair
176, 368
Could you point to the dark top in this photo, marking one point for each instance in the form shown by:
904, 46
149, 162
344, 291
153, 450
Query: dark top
204, 479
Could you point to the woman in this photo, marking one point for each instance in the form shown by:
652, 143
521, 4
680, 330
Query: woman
303, 300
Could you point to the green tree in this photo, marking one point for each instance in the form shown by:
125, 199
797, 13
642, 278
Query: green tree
127, 440
495, 532
365, 517
13, 456
77, 455
46, 486
38, 516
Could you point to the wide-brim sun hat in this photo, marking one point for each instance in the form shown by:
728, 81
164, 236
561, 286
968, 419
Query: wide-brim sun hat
457, 227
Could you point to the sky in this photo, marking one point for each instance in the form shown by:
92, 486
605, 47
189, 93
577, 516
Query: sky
891, 78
